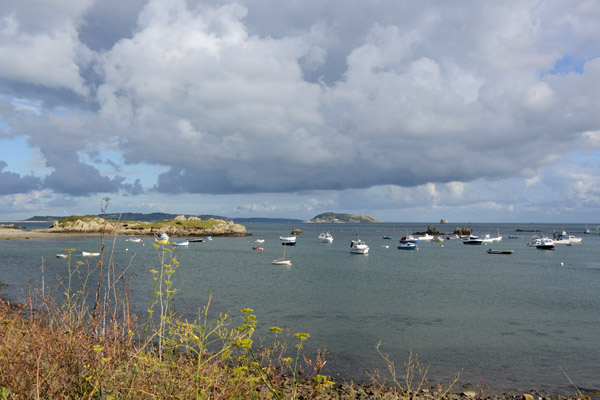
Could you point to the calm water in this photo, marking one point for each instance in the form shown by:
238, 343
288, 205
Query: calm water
514, 321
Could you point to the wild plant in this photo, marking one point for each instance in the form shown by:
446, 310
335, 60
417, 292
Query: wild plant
412, 380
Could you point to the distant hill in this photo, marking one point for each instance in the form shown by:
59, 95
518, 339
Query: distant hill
157, 216
44, 218
330, 217
266, 220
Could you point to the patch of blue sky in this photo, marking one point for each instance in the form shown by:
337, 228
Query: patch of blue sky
18, 155
566, 65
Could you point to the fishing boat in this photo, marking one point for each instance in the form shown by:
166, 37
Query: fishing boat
425, 237
196, 240
408, 246
182, 243
326, 237
89, 254
288, 240
490, 251
357, 246
257, 248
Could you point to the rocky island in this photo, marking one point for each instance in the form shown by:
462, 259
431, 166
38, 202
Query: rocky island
331, 217
179, 226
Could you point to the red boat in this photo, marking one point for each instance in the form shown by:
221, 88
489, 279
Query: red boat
257, 248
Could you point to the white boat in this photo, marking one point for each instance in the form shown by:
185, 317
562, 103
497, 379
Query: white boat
88, 254
282, 260
535, 240
62, 256
438, 239
565, 238
134, 240
260, 240
473, 240
545, 244
326, 237
408, 246
288, 240
489, 239
182, 243
357, 246
425, 237
162, 238
575, 239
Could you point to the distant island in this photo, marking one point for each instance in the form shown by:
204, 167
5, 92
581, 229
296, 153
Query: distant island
331, 217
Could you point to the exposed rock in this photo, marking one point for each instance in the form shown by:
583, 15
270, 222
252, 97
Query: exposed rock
297, 232
176, 227
180, 218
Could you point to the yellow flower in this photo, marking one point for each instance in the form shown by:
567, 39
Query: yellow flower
302, 336
98, 348
246, 310
276, 329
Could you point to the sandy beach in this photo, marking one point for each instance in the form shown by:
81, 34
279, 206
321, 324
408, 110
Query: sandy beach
9, 233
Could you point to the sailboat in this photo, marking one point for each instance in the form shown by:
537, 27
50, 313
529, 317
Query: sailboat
282, 260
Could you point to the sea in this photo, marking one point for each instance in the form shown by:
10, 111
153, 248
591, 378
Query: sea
502, 323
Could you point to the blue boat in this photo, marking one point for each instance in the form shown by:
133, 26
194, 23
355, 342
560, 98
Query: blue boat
408, 246
409, 239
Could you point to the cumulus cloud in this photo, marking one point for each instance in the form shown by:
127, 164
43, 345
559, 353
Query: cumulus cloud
430, 96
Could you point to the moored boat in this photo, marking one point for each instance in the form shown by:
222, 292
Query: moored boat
425, 237
490, 251
181, 243
134, 240
545, 244
408, 246
89, 254
257, 248
357, 246
326, 237
62, 255
473, 240
288, 240
162, 238
409, 239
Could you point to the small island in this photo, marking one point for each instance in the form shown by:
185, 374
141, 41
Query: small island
331, 217
93, 225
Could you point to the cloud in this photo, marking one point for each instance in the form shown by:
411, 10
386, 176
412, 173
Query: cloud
12, 183
414, 101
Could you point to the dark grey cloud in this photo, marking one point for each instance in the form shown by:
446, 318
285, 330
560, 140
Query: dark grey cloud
11, 182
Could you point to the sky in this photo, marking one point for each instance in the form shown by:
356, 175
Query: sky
407, 111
